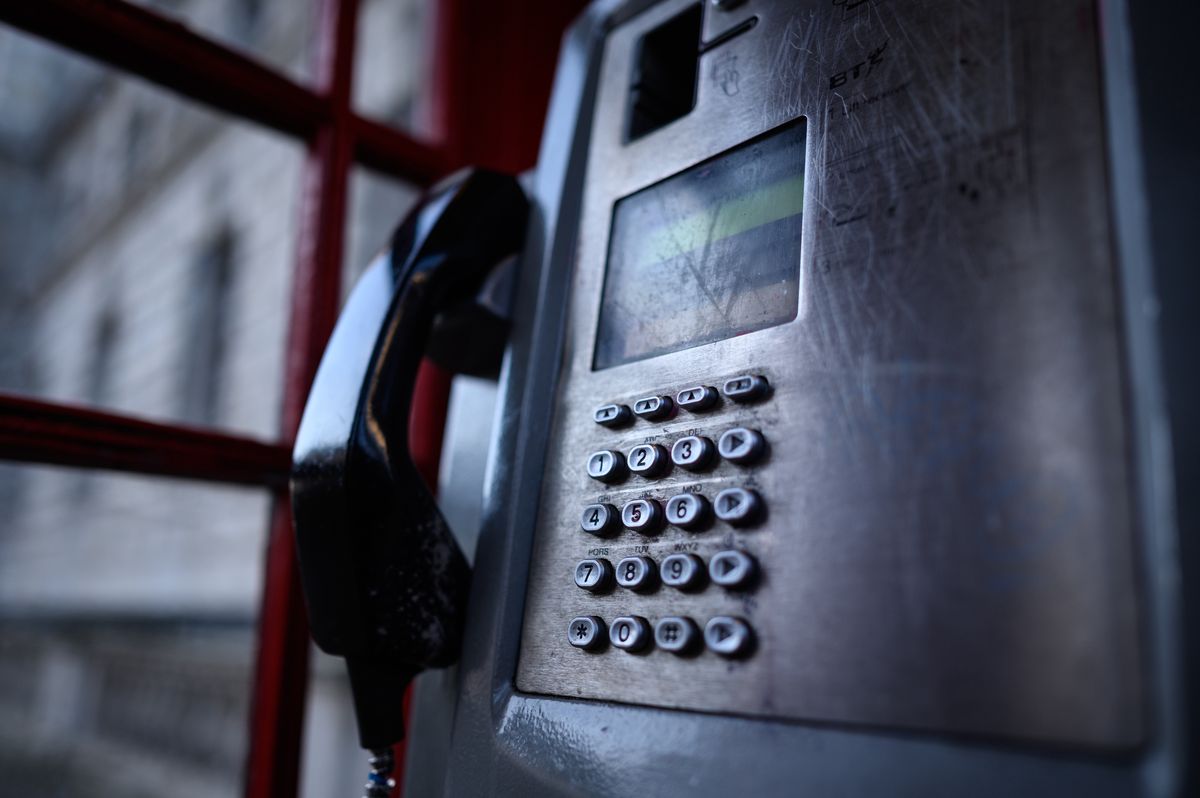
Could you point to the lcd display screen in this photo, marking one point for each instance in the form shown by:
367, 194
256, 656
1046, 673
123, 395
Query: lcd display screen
707, 254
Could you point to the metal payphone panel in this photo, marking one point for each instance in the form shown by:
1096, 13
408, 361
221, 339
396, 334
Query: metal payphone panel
945, 541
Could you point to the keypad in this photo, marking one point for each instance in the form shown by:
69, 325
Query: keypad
648, 460
747, 388
654, 408
732, 569
606, 466
598, 519
728, 636
738, 506
629, 632
697, 399
637, 573
642, 515
693, 452
682, 571
586, 632
594, 575
676, 634
688, 511
612, 415
741, 445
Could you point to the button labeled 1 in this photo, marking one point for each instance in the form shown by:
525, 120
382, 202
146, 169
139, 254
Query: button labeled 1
606, 466
629, 632
586, 632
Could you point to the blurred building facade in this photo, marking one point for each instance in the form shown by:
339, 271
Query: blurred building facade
146, 248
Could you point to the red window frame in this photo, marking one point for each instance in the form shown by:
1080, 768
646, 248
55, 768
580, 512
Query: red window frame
482, 114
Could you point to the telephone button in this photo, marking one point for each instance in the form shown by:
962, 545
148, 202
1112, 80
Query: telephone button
594, 575
747, 388
648, 460
636, 573
741, 445
653, 408
728, 636
738, 506
642, 515
732, 569
697, 398
606, 466
688, 510
629, 632
682, 571
586, 632
598, 519
612, 415
676, 634
693, 452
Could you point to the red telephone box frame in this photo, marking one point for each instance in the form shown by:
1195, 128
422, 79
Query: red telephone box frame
493, 65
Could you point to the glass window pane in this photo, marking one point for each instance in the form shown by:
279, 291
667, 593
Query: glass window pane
275, 32
392, 64
127, 633
146, 246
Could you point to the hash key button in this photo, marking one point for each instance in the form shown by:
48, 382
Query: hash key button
741, 445
738, 506
676, 634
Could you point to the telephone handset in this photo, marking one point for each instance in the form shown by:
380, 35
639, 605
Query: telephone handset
384, 579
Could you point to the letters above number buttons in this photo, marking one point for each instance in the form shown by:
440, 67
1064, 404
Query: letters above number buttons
629, 632
687, 510
598, 519
747, 388
636, 573
682, 571
612, 415
728, 636
641, 515
693, 452
675, 634
697, 398
586, 632
647, 460
741, 445
738, 506
652, 408
594, 575
606, 466
732, 569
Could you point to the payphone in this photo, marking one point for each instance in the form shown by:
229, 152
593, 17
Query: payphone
820, 466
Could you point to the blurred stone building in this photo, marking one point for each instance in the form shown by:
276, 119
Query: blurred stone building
146, 247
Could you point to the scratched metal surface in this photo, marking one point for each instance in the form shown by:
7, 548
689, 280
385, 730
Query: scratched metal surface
949, 541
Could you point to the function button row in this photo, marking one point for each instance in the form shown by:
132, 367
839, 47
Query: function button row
733, 569
736, 506
739, 445
695, 399
725, 635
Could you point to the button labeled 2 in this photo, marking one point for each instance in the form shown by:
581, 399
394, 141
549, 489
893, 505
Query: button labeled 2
648, 460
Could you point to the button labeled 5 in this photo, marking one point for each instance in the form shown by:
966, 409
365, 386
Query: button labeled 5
642, 515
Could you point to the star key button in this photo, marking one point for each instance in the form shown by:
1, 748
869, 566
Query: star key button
586, 632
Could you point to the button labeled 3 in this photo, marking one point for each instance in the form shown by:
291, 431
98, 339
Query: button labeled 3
728, 636
606, 466
676, 634
594, 575
687, 510
636, 573
741, 445
732, 569
693, 452
586, 632
642, 515
647, 460
738, 506
629, 632
653, 408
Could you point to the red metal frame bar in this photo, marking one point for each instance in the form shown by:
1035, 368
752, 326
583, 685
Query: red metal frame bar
43, 432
